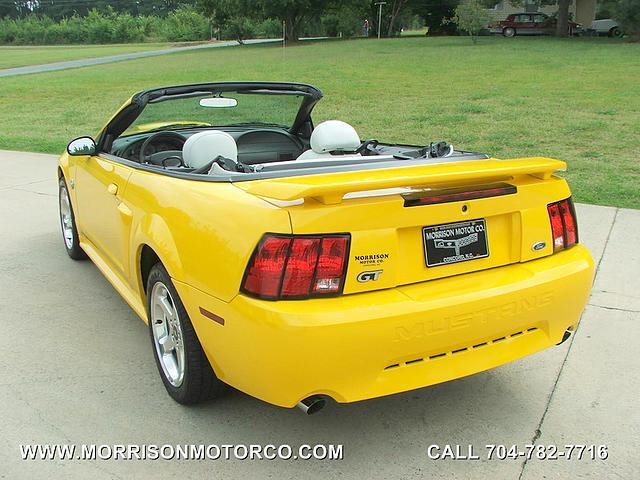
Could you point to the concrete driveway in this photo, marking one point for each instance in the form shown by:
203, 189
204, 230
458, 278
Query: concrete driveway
85, 62
77, 368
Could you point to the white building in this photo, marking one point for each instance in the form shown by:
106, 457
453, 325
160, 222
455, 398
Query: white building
581, 11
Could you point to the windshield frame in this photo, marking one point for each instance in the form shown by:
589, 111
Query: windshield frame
129, 113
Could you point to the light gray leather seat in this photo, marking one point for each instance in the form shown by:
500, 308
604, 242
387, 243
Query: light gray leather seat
201, 148
331, 136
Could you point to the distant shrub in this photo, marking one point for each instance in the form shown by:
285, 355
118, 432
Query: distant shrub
125, 29
627, 13
99, 27
186, 24
268, 28
8, 29
31, 31
151, 27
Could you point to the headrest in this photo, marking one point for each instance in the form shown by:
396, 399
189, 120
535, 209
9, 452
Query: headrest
334, 135
202, 147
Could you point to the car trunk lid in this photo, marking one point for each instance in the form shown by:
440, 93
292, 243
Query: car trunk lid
416, 223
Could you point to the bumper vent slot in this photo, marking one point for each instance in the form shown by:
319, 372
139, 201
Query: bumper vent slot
461, 350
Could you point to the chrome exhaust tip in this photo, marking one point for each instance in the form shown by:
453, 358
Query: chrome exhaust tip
312, 404
565, 337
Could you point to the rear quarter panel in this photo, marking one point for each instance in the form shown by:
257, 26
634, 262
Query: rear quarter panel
203, 232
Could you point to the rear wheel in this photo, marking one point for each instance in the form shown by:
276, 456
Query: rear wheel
183, 365
615, 32
509, 32
68, 223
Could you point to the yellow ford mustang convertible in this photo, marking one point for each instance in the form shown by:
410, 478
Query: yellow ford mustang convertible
298, 263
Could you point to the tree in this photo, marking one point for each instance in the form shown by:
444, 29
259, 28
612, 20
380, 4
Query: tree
435, 14
396, 7
562, 26
604, 9
291, 12
471, 17
627, 14
224, 14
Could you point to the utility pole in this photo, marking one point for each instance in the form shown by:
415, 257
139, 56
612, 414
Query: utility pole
380, 4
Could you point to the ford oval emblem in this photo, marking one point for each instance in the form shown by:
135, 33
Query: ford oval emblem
538, 246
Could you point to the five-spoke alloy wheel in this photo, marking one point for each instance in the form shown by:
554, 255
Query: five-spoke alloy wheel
185, 370
68, 223
167, 334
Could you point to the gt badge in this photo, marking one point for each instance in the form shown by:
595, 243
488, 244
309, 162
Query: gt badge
366, 276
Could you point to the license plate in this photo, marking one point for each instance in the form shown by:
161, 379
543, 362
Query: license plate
455, 242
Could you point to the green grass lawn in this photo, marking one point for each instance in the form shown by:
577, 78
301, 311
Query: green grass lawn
11, 57
577, 100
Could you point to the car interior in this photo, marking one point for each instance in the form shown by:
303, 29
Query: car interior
227, 131
242, 150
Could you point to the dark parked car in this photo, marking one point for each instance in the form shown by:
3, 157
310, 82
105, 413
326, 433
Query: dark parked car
530, 24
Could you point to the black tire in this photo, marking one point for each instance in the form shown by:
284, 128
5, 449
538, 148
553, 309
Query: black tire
68, 223
615, 32
198, 381
509, 32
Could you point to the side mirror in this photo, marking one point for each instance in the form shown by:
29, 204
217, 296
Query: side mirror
82, 146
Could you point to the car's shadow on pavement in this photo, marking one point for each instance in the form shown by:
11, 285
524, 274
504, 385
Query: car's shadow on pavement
81, 370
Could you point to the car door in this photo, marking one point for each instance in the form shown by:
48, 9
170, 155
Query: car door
526, 25
102, 217
542, 27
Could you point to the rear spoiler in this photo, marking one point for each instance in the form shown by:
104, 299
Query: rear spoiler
331, 188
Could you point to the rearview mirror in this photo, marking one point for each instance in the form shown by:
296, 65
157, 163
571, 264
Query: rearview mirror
218, 102
82, 146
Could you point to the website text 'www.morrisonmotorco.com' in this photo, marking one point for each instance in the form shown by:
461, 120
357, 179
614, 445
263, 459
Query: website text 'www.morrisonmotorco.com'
180, 452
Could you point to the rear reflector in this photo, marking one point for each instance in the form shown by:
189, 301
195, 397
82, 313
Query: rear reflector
297, 266
331, 265
458, 194
563, 224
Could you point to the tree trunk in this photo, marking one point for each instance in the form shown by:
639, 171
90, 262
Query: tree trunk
396, 7
291, 27
562, 28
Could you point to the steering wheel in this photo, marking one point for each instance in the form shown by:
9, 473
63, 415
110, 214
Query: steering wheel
159, 158
368, 147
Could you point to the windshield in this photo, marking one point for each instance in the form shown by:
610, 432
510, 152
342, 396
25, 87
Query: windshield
264, 108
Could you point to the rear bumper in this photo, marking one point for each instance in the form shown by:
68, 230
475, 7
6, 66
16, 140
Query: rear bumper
368, 345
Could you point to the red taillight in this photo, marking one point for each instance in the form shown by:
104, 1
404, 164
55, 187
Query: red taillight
568, 217
563, 224
301, 266
264, 274
331, 265
557, 230
298, 266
